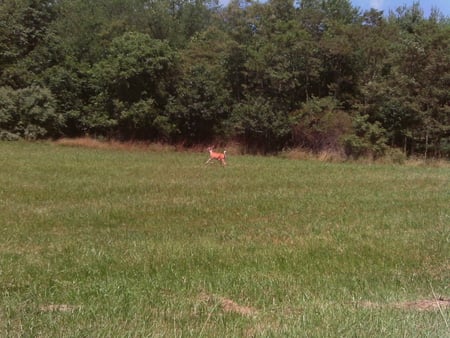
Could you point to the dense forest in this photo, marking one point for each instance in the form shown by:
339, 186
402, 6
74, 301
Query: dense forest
317, 74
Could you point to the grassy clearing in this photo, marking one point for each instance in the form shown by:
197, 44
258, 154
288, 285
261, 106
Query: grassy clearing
107, 242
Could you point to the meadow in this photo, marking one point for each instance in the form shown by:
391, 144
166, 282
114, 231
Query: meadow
137, 243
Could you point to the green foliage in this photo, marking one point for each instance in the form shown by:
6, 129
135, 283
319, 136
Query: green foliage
7, 136
368, 139
283, 64
23, 25
408, 97
29, 112
133, 84
260, 125
174, 21
200, 106
190, 71
70, 83
143, 120
321, 124
136, 66
7, 107
341, 9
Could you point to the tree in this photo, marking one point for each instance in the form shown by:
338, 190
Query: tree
200, 106
136, 75
315, 73
368, 139
321, 125
260, 125
29, 112
23, 27
408, 97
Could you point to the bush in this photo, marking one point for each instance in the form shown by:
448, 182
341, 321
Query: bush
29, 112
320, 125
396, 156
7, 108
261, 126
143, 120
7, 136
368, 139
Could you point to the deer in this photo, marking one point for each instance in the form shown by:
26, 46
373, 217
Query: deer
216, 156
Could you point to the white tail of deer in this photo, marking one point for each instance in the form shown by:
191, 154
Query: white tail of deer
217, 156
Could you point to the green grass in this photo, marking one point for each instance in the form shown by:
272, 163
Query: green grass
133, 243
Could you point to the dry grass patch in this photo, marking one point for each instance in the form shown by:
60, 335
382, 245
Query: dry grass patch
323, 156
424, 305
59, 308
298, 154
419, 305
87, 142
228, 305
422, 162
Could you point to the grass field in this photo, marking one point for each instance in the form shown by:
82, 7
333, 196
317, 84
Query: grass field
115, 243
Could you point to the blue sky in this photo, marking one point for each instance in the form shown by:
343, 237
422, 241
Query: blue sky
386, 5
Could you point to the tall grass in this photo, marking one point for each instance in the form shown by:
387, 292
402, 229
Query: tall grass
107, 242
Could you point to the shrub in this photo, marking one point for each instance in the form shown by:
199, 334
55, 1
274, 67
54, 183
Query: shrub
7, 108
261, 126
320, 125
143, 120
396, 156
29, 112
7, 136
368, 139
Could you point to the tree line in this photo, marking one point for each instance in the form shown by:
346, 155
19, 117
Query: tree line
317, 74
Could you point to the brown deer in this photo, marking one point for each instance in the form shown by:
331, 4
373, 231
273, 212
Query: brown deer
216, 156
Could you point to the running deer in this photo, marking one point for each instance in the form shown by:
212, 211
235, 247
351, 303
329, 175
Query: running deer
216, 156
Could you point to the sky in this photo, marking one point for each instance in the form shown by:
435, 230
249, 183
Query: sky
386, 5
